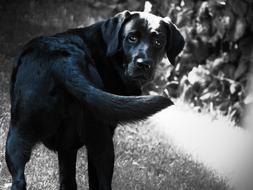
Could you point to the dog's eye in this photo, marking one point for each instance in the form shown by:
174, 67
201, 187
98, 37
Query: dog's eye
132, 38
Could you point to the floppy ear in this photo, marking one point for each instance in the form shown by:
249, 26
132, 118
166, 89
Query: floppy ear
175, 43
111, 29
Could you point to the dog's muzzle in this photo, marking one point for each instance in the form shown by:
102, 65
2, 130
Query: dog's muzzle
143, 64
140, 70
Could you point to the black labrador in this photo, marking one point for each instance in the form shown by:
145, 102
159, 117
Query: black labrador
73, 88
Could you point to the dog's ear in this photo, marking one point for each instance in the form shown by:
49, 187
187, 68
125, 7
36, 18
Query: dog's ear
175, 42
111, 30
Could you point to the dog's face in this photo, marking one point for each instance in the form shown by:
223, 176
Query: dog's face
143, 39
143, 45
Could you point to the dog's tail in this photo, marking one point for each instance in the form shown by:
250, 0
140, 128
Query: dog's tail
107, 107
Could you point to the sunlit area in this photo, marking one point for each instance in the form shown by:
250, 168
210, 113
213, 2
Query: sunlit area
216, 142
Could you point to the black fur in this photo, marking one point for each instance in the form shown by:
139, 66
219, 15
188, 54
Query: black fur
73, 88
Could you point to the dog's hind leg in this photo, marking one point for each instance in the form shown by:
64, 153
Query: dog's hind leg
101, 170
18, 152
67, 169
100, 158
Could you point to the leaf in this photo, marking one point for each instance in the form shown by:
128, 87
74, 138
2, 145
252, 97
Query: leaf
206, 96
240, 27
218, 62
233, 87
241, 70
199, 75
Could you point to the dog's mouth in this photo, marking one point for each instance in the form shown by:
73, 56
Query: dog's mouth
138, 75
141, 78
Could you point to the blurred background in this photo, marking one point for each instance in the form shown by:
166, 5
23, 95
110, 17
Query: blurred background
211, 76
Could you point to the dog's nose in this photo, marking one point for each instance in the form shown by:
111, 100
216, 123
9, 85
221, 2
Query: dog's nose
143, 63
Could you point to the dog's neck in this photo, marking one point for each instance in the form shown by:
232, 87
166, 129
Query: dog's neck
106, 66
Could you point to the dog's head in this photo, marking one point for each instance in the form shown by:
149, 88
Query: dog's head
143, 39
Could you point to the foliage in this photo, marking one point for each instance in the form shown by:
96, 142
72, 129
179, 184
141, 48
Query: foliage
212, 71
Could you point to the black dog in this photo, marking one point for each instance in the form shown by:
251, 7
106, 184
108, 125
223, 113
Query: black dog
73, 88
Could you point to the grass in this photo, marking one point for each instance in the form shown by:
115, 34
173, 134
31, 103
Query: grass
145, 158
153, 163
